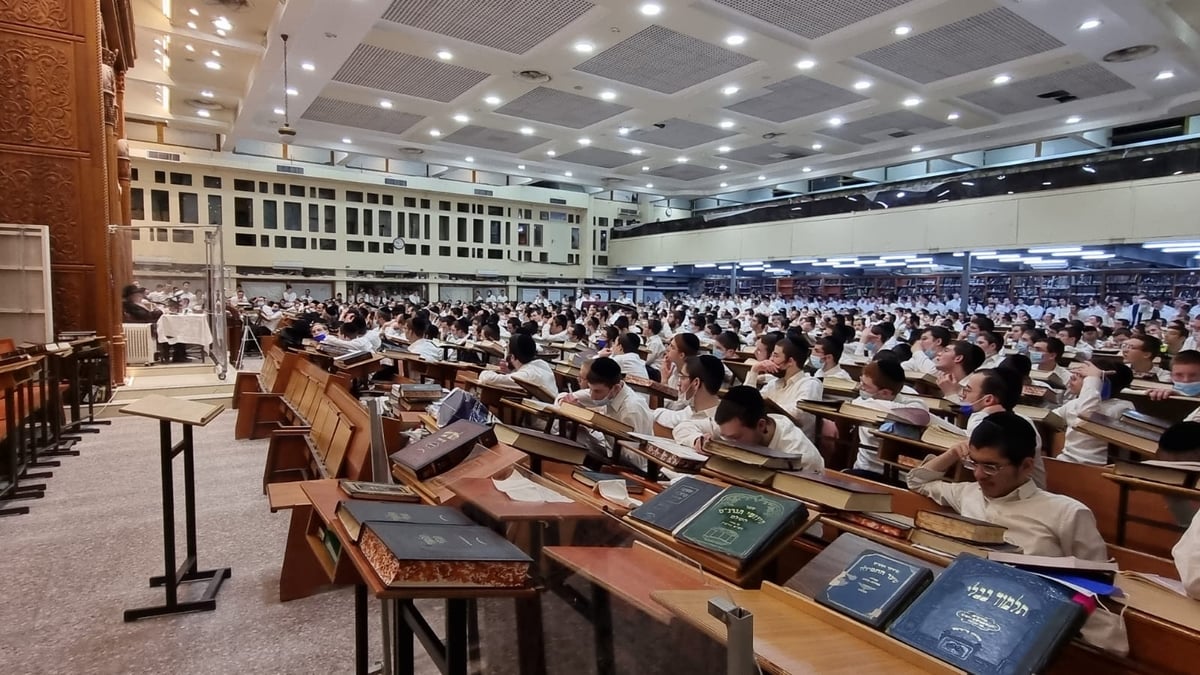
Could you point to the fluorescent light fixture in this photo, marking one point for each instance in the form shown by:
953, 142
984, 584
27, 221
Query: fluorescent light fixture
461, 118
730, 90
906, 256
902, 30
836, 121
660, 268
840, 260
1057, 249
806, 64
633, 269
470, 159
953, 116
981, 254
806, 169
584, 47
722, 167
551, 153
635, 151
911, 101
1001, 79
585, 141
894, 263
491, 100
920, 260
649, 185
1074, 119
725, 267
645, 168
843, 266
920, 265
203, 113
212, 65
307, 65
704, 266
520, 167
385, 104
279, 111
900, 194
1180, 249
824, 264
917, 148
435, 133
724, 184
193, 11
444, 55
1098, 256
1069, 254
623, 131
1167, 244
1165, 75
959, 254
568, 174
526, 131
805, 261
650, 8
192, 25
726, 124
1090, 24
817, 146
762, 177
1089, 169
347, 141
752, 263
723, 148
608, 95
862, 85
221, 23
735, 40
292, 91
681, 160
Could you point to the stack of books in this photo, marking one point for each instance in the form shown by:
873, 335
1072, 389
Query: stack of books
750, 463
1181, 474
670, 454
442, 450
832, 490
1116, 431
413, 397
951, 534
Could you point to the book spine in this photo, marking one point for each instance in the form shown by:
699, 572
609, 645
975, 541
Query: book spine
884, 528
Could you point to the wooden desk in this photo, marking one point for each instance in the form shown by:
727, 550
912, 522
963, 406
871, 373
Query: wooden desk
793, 634
1174, 408
1125, 484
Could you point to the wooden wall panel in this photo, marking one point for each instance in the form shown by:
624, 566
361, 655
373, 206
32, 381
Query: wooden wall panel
48, 14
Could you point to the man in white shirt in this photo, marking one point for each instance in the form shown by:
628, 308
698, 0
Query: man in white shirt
625, 352
825, 360
608, 391
880, 389
522, 363
422, 346
695, 422
791, 384
933, 340
986, 392
1044, 355
1001, 453
1181, 442
954, 363
289, 296
742, 417
992, 345
1094, 391
655, 344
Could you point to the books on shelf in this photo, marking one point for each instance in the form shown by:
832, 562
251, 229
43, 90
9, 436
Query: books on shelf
960, 527
1183, 474
990, 619
669, 509
875, 587
590, 478
385, 492
832, 490
671, 454
542, 444
1144, 421
441, 450
741, 523
354, 513
408, 555
950, 547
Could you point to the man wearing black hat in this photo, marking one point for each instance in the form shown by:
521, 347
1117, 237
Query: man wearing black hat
132, 308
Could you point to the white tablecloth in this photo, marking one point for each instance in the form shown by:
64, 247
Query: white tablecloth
188, 329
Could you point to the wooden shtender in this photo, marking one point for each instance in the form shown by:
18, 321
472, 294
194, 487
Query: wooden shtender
171, 409
793, 634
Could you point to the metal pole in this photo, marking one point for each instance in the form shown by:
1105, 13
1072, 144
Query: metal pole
733, 280
966, 285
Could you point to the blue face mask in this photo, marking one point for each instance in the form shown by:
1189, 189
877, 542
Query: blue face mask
971, 335
719, 353
815, 362
1187, 388
966, 409
1036, 357
1022, 347
872, 347
930, 353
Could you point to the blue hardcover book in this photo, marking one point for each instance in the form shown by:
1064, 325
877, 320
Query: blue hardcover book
875, 587
674, 505
990, 619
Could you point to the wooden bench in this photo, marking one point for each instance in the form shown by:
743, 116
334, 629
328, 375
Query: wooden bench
262, 381
257, 395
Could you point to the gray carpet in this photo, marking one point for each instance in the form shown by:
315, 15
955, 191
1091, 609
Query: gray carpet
85, 552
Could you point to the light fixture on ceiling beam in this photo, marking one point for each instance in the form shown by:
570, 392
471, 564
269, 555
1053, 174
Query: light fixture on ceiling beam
445, 54
902, 30
806, 64
1001, 79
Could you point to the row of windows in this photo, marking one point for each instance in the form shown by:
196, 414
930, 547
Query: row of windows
356, 246
353, 196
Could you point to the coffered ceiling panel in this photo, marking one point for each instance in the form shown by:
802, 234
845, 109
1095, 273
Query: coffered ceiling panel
607, 159
890, 126
685, 172
561, 108
769, 153
493, 139
333, 111
509, 25
679, 134
400, 73
798, 97
663, 60
1077, 83
812, 18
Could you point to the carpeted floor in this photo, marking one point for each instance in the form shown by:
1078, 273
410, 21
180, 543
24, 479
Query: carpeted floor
85, 552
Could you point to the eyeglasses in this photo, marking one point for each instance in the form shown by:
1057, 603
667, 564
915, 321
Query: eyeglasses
988, 470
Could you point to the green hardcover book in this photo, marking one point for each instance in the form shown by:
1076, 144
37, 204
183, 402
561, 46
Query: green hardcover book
742, 523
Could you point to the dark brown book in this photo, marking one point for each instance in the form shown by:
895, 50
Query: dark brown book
542, 444
441, 450
754, 455
1144, 421
961, 527
420, 392
830, 489
1171, 473
953, 547
413, 555
595, 419
735, 469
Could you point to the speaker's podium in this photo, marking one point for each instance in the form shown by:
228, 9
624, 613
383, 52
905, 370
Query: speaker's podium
189, 414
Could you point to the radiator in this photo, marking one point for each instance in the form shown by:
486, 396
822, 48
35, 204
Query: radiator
139, 344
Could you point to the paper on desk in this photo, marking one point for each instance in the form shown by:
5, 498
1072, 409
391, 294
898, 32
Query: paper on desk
1173, 585
521, 489
617, 492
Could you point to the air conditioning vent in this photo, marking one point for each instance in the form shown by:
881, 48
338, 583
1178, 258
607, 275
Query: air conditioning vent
397, 182
629, 212
288, 168
165, 156
484, 193
900, 134
555, 200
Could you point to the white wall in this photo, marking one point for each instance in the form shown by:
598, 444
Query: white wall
1133, 211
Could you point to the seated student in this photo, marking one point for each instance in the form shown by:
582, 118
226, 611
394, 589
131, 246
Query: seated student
1181, 443
880, 336
993, 346
1072, 336
761, 365
987, 392
625, 352
682, 346
880, 389
522, 363
607, 391
654, 343
933, 340
556, 329
707, 372
1094, 391
954, 363
791, 384
742, 417
1044, 355
1185, 380
1139, 354
1001, 454
825, 360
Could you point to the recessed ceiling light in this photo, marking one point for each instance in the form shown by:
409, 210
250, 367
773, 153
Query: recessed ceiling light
292, 91
635, 151
645, 168
1165, 75
730, 90
385, 104
491, 100
608, 95
681, 160
461, 118
221, 23
221, 32
911, 101
724, 148
347, 141
902, 29
1001, 79
470, 158
280, 111
649, 185
189, 47
526, 131
192, 25
435, 133
551, 153
307, 65
203, 113
1090, 24
862, 85
726, 124
806, 64
836, 121
193, 11
650, 8
952, 116
444, 55
568, 174
521, 167
735, 40
762, 177
806, 169
623, 131
212, 65
723, 167
584, 47
585, 141
207, 93
917, 148
724, 184
1074, 119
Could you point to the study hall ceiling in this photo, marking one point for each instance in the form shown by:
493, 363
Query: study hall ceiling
699, 97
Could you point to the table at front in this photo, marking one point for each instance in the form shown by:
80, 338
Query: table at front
185, 329
450, 656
